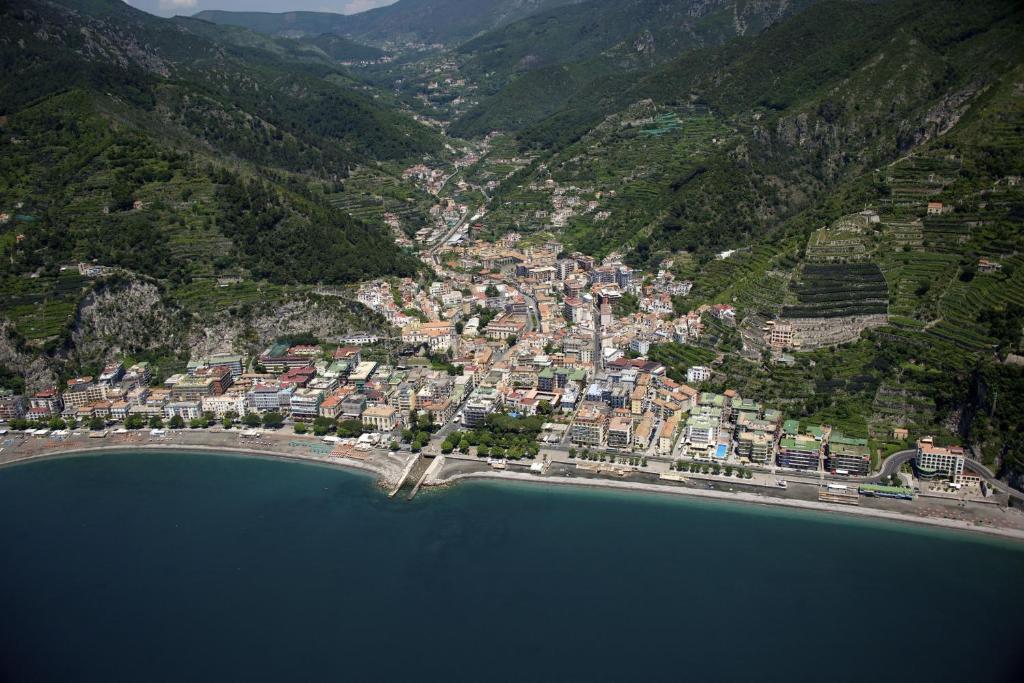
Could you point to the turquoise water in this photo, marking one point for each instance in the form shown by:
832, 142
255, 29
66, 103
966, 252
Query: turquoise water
179, 567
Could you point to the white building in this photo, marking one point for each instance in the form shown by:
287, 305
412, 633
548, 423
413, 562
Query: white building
698, 374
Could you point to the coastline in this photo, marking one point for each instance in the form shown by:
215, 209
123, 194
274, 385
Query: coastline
388, 473
384, 476
1003, 533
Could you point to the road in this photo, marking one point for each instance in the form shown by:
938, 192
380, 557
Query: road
893, 463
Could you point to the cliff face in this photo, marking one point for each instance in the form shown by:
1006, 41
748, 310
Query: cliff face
323, 317
36, 370
124, 318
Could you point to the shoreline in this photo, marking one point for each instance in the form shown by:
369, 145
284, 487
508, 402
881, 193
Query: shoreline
337, 463
386, 480
1004, 533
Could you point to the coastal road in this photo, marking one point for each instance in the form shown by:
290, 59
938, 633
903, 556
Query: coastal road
893, 463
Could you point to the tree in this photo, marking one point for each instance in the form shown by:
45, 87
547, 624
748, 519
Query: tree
393, 446
300, 427
177, 422
491, 291
57, 423
197, 423
251, 420
322, 425
97, 423
156, 422
226, 422
512, 340
135, 421
572, 453
273, 420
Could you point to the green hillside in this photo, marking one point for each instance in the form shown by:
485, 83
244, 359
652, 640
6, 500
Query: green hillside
424, 21
180, 151
533, 68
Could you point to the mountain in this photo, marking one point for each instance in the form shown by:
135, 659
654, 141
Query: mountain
343, 49
822, 97
419, 21
621, 35
173, 154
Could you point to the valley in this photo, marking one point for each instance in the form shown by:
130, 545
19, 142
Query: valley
816, 205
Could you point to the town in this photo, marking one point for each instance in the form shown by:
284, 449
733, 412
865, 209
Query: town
508, 352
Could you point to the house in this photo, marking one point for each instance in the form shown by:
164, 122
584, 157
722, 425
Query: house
935, 208
986, 266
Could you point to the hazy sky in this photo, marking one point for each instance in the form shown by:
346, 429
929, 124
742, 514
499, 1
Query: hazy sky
168, 8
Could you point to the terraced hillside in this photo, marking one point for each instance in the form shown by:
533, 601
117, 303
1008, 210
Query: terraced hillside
837, 290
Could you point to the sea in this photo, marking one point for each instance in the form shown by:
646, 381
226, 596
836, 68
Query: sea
199, 567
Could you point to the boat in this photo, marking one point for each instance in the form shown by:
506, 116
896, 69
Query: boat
781, 483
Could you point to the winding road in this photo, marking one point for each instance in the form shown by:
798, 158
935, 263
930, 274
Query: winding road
893, 463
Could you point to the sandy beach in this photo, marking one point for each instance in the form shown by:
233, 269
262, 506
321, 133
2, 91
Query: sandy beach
389, 469
386, 466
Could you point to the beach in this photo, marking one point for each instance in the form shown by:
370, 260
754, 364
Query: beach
390, 468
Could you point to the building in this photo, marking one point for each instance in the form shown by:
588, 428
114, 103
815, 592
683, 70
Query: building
642, 433
264, 397
380, 418
205, 382
224, 404
352, 406
506, 326
620, 432
799, 452
701, 434
590, 428
698, 374
12, 406
362, 373
756, 446
186, 410
305, 404
667, 436
935, 461
232, 362
847, 455
47, 401
278, 358
437, 336
780, 335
